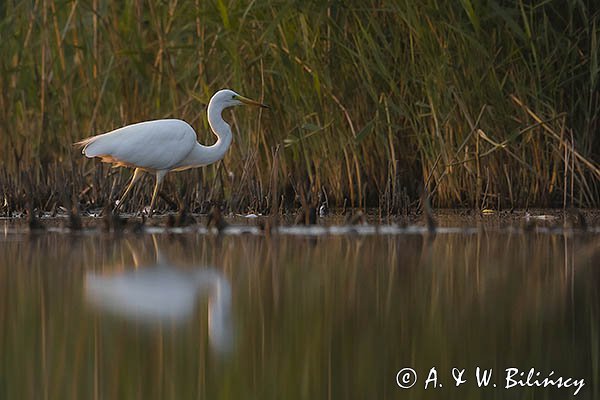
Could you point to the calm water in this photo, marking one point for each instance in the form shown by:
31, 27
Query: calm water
195, 316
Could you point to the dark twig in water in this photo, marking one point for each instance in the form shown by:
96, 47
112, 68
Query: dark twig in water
269, 224
215, 219
171, 221
168, 200
54, 211
574, 218
182, 219
428, 211
74, 223
305, 217
111, 221
35, 225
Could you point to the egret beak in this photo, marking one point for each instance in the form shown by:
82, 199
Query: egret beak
250, 102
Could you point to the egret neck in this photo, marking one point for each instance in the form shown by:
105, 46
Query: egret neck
203, 155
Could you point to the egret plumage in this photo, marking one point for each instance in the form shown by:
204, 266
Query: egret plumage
165, 145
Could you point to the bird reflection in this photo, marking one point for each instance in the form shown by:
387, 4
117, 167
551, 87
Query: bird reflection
163, 293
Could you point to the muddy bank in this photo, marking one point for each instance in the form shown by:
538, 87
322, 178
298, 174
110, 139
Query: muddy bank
544, 220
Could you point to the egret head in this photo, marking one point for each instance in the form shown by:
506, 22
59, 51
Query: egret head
228, 98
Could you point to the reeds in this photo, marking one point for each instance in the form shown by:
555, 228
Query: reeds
487, 104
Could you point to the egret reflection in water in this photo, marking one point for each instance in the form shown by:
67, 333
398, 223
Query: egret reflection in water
164, 293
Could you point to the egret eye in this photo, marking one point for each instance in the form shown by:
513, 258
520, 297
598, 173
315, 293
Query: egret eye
233, 97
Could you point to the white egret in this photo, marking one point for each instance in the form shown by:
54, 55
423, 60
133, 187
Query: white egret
165, 145
164, 293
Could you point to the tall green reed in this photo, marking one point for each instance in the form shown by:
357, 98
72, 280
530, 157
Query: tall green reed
487, 104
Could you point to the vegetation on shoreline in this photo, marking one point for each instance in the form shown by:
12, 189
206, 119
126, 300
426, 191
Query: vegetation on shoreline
486, 103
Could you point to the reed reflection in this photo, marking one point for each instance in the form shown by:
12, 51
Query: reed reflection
165, 293
343, 313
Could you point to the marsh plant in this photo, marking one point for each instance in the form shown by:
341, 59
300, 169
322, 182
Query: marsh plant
485, 103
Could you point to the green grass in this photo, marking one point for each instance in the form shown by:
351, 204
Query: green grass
487, 103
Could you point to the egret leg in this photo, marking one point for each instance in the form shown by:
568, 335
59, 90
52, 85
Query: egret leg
137, 174
160, 176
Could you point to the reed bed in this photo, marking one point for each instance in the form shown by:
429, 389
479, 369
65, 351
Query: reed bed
486, 104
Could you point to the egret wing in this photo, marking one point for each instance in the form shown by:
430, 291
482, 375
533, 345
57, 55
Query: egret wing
155, 145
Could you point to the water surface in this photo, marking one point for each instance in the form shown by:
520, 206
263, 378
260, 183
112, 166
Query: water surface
293, 316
